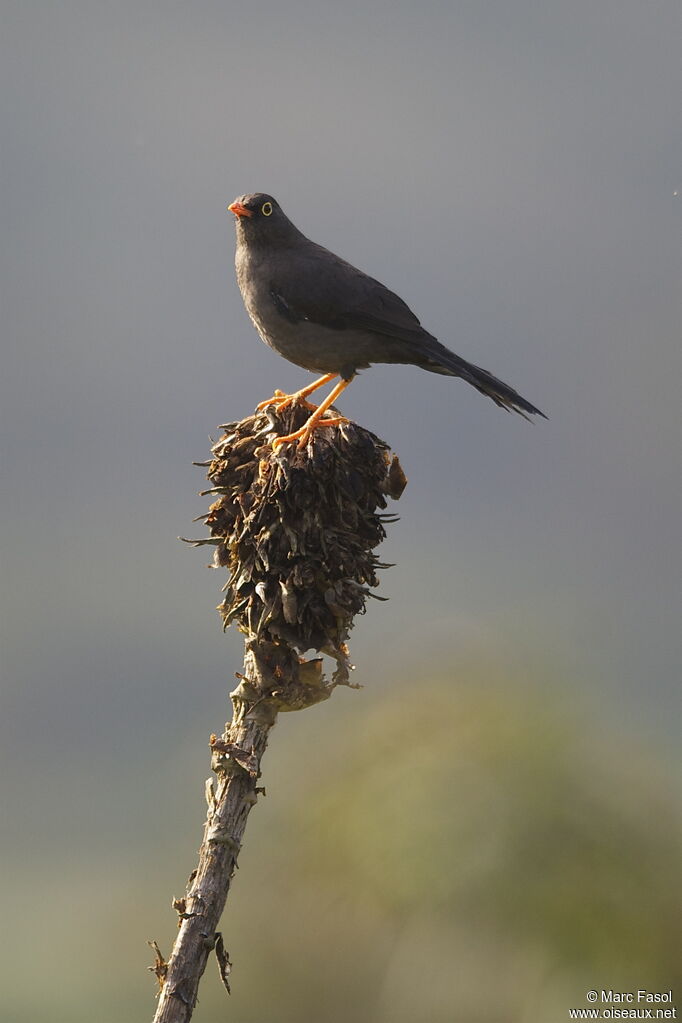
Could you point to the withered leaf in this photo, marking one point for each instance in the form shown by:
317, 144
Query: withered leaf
297, 530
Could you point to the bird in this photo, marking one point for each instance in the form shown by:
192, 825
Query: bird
323, 314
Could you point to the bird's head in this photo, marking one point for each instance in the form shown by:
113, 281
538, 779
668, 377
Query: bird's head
259, 217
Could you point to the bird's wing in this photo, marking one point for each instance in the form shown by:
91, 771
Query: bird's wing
319, 287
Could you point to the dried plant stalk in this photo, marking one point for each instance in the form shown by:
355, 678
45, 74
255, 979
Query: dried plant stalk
296, 531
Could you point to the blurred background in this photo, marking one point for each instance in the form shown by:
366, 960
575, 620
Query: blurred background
491, 826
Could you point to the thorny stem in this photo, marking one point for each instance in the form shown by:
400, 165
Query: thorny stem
272, 681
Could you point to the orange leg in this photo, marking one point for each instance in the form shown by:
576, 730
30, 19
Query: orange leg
316, 420
280, 400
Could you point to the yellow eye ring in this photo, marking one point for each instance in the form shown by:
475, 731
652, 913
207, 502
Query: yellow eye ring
266, 209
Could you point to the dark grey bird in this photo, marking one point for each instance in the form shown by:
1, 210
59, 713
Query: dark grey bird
323, 314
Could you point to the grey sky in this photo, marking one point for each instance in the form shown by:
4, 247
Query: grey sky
507, 167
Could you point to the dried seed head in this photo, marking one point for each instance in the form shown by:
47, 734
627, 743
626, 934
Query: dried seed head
296, 530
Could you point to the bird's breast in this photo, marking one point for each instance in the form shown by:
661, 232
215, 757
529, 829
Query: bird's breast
315, 347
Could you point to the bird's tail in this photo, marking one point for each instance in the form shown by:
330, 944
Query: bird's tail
439, 359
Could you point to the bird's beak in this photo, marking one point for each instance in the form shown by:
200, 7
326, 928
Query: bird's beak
239, 210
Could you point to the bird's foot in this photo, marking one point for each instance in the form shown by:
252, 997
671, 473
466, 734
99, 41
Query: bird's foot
334, 421
317, 418
281, 401
306, 431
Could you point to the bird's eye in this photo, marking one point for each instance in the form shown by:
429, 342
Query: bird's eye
266, 209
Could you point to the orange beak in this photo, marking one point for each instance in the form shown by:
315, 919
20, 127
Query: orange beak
239, 210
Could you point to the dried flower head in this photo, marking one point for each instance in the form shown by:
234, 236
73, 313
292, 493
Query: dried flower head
296, 530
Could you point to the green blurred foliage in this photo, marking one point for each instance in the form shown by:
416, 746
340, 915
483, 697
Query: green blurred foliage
503, 822
435, 851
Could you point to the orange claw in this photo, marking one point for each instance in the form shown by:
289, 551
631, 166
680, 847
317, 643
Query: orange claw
316, 420
281, 400
333, 421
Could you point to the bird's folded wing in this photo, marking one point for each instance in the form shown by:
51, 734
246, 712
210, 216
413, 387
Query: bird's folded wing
326, 290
